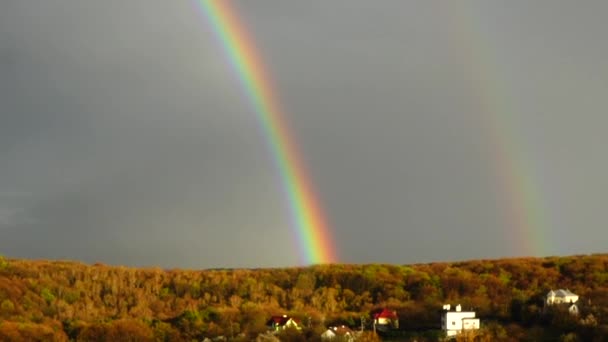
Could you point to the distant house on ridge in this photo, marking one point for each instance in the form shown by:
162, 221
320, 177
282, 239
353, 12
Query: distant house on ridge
277, 323
385, 319
563, 297
456, 321
343, 332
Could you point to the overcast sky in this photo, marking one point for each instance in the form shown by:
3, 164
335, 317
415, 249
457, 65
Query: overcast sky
125, 137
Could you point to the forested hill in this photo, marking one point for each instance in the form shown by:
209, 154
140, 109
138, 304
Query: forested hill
67, 300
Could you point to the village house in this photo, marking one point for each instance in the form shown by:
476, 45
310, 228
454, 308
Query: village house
385, 319
563, 297
456, 321
276, 323
343, 332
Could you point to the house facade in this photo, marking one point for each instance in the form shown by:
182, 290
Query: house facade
456, 321
386, 318
276, 323
563, 297
342, 332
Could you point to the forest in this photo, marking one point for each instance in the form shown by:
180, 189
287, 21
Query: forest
43, 300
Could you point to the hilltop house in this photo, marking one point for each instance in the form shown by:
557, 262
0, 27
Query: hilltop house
456, 321
561, 297
277, 323
343, 332
385, 319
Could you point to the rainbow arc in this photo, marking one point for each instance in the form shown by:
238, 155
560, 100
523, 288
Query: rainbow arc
308, 220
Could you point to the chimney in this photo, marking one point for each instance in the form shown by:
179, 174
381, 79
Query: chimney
458, 308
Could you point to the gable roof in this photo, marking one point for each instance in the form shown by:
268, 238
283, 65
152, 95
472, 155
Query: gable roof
280, 320
565, 293
342, 330
386, 313
560, 293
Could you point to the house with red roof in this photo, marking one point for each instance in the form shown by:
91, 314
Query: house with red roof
385, 318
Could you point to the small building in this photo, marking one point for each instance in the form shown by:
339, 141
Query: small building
563, 297
343, 332
456, 321
277, 323
385, 319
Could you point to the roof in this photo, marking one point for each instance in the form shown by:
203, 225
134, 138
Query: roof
281, 320
341, 330
386, 313
561, 293
278, 320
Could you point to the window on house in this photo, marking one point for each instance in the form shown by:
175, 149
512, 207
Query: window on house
453, 323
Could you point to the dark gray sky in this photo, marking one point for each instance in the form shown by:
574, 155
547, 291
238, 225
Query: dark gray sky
125, 137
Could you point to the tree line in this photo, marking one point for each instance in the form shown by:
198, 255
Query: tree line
58, 300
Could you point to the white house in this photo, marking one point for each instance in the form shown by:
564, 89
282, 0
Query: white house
342, 332
277, 323
562, 296
454, 322
328, 334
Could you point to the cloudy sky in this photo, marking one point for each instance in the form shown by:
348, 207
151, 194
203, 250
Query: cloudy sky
432, 130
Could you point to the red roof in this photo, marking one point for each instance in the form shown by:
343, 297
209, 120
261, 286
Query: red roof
386, 313
278, 320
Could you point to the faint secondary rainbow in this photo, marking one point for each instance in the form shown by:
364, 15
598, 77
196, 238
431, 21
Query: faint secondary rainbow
308, 220
518, 187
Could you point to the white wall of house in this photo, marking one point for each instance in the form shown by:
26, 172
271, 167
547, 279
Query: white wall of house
470, 323
291, 324
328, 335
454, 322
561, 296
384, 320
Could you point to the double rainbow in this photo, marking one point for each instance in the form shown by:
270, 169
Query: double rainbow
308, 219
518, 186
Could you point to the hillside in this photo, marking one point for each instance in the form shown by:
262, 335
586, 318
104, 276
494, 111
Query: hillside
57, 300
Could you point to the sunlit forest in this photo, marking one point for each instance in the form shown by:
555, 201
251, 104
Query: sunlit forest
61, 301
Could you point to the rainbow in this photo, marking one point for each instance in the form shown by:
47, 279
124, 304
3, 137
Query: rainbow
518, 186
308, 220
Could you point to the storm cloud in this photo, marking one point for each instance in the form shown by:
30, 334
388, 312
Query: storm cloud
126, 138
